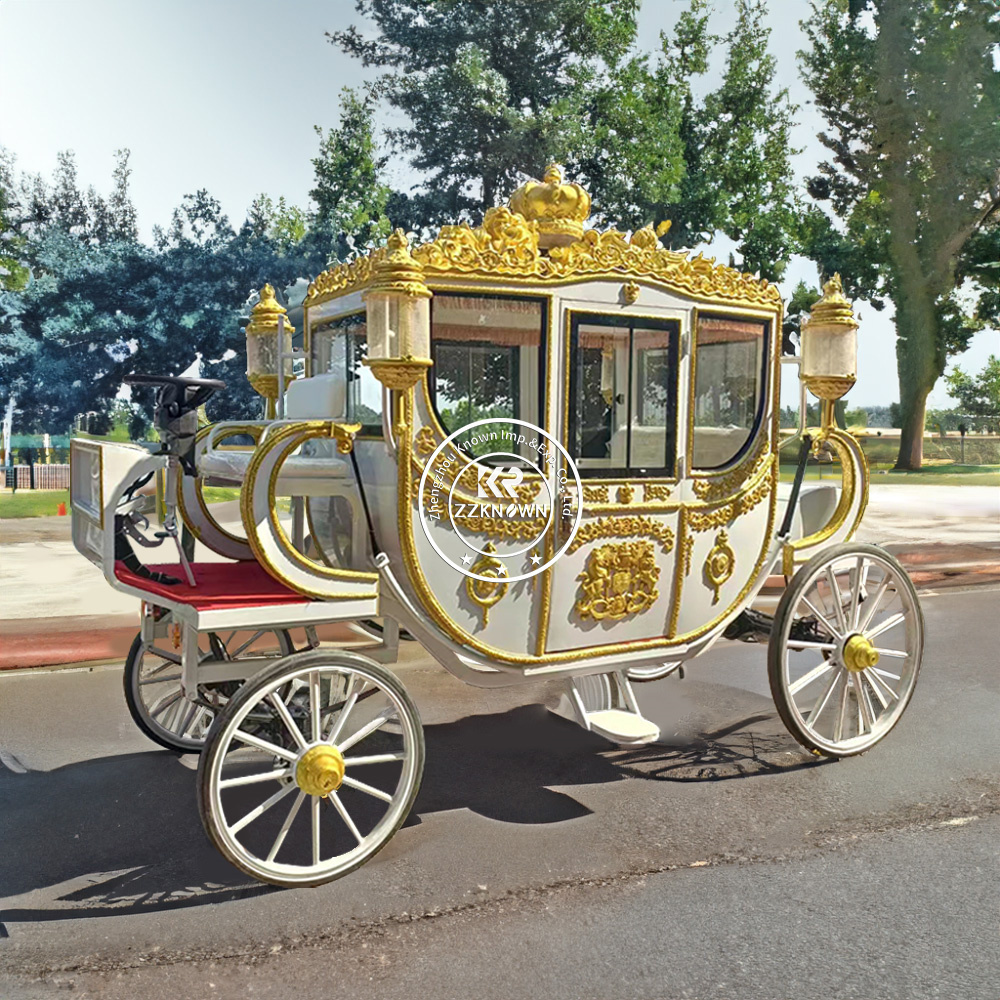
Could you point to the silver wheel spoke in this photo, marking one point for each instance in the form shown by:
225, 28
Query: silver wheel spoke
864, 675
865, 710
879, 685
286, 826
345, 816
351, 699
160, 680
253, 779
164, 705
838, 729
315, 830
824, 697
366, 730
872, 603
191, 726
262, 808
819, 614
314, 706
885, 673
271, 748
859, 568
164, 655
286, 717
889, 623
806, 679
367, 789
377, 758
827, 647
838, 604
900, 653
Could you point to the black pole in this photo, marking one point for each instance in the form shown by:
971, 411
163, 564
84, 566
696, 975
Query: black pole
800, 472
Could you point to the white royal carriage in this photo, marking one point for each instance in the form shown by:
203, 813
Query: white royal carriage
543, 451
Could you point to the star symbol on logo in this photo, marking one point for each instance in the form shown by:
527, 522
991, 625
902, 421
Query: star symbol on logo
501, 570
466, 559
536, 559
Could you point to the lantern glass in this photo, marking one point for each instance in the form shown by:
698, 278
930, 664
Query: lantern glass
398, 326
829, 351
262, 353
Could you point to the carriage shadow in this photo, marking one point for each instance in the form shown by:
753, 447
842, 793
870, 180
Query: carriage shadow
121, 834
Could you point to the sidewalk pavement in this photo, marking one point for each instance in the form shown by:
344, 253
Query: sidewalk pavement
56, 608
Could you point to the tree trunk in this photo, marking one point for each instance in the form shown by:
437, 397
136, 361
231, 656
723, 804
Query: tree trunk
913, 403
918, 364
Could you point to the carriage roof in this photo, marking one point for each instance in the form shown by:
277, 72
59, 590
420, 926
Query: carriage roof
540, 239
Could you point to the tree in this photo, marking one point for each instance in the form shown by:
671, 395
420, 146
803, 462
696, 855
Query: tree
911, 92
491, 89
716, 164
978, 396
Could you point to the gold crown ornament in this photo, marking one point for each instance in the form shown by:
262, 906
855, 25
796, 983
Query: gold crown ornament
558, 209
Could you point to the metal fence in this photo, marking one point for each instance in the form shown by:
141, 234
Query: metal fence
46, 477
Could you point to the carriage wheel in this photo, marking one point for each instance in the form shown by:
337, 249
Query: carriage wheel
323, 779
845, 649
153, 684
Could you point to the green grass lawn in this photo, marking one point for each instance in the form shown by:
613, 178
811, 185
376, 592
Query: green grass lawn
932, 475
32, 503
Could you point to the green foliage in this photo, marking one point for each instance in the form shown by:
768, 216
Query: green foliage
911, 92
490, 89
349, 197
802, 299
978, 395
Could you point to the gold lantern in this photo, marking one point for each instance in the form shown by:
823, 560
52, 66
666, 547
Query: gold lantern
398, 316
262, 348
830, 344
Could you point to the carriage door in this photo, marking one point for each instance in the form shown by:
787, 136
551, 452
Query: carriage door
615, 582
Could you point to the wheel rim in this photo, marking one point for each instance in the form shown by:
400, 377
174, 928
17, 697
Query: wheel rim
156, 684
849, 663
269, 816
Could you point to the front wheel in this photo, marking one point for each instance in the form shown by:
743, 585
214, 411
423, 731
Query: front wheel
845, 649
323, 778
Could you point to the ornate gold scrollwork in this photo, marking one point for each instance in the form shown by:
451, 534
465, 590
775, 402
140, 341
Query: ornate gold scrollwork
719, 517
507, 245
686, 552
619, 580
719, 564
595, 494
717, 487
630, 292
655, 491
425, 442
482, 593
623, 527
625, 493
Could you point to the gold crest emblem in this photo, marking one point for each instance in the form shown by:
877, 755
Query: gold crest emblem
619, 580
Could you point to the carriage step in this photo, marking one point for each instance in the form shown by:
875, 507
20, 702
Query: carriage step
621, 726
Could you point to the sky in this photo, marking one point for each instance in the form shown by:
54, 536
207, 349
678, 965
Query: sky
225, 94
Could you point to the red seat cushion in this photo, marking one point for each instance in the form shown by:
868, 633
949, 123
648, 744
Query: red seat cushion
220, 585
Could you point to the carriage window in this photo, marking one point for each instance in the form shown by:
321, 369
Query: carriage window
729, 379
487, 351
338, 348
623, 390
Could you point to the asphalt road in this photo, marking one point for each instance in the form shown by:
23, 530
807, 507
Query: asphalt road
722, 862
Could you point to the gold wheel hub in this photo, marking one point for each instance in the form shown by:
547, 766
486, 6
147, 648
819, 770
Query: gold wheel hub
859, 654
320, 770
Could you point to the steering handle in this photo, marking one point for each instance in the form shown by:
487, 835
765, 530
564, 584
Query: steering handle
177, 403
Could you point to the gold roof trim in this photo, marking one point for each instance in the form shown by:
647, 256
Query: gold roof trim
506, 246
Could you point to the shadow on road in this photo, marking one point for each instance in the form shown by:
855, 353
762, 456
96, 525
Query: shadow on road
121, 834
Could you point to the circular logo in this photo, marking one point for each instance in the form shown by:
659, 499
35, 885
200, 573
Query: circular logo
526, 509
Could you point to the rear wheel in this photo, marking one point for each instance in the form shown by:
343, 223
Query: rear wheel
152, 683
845, 649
